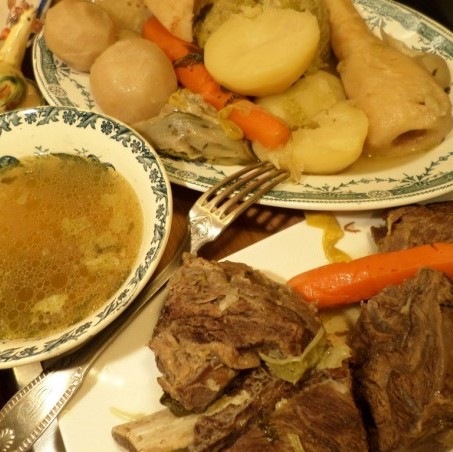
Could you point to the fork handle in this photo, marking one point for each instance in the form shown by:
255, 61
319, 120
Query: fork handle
29, 413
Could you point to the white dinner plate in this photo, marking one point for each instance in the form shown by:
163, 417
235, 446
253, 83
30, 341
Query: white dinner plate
123, 382
365, 185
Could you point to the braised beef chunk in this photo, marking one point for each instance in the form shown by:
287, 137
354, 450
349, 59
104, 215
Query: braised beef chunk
255, 395
217, 319
403, 362
415, 225
319, 415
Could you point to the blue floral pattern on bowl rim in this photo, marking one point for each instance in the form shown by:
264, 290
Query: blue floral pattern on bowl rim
38, 124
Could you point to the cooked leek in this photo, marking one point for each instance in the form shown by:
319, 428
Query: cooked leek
13, 84
293, 368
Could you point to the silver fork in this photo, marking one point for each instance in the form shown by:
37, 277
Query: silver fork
33, 408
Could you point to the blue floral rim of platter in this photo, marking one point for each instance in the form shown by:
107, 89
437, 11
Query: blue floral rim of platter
60, 131
363, 186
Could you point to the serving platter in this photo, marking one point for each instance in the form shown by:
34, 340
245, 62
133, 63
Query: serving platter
365, 185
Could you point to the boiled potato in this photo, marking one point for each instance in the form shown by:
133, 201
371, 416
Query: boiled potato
307, 97
333, 142
77, 32
132, 80
263, 52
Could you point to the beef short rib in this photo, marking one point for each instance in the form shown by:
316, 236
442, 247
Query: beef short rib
403, 362
318, 415
415, 225
217, 319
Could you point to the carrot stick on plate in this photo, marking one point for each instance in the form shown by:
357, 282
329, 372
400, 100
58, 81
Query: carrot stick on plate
256, 123
342, 283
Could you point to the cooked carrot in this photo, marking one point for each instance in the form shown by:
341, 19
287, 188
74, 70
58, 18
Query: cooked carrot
342, 283
256, 123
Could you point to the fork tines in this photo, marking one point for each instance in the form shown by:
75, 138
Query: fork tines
243, 188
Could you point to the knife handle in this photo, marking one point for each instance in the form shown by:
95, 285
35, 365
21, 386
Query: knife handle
32, 409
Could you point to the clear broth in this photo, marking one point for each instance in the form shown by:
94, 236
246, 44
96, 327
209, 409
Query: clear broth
71, 232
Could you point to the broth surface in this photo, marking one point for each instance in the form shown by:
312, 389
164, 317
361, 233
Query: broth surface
71, 231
